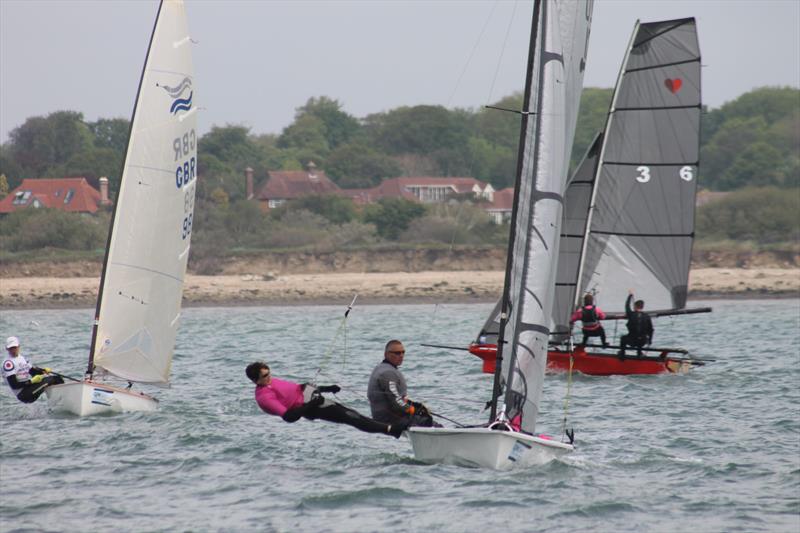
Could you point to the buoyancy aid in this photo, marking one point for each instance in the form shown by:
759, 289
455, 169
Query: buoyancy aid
589, 317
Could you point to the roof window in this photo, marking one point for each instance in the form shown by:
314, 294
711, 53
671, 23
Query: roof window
21, 197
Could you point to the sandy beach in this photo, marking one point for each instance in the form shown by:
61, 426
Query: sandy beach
374, 288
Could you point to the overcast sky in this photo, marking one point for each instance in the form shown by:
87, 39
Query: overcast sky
256, 61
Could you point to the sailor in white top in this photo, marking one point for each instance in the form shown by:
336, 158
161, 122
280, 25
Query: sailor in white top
27, 382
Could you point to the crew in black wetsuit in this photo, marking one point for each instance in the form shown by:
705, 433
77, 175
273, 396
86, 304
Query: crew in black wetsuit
387, 391
640, 327
27, 382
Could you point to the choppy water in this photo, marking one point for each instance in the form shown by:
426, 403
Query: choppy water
716, 450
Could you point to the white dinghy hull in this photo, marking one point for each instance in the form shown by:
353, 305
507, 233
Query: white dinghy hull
92, 398
482, 447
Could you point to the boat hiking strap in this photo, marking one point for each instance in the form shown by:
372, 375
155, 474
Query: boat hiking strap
341, 329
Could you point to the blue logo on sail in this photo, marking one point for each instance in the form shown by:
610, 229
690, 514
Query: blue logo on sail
179, 102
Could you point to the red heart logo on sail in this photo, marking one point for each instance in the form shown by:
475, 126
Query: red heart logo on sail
673, 85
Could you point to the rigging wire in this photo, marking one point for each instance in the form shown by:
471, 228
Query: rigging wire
471, 54
502, 51
342, 328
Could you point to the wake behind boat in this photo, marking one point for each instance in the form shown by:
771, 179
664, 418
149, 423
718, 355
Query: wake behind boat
139, 301
554, 80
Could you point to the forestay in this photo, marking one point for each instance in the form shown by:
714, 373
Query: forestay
552, 98
141, 287
642, 220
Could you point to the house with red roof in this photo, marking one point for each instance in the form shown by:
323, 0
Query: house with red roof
425, 189
285, 185
66, 194
500, 206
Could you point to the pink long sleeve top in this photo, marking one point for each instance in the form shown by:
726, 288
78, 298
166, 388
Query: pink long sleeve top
279, 396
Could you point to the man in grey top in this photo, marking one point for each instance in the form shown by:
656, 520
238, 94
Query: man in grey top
387, 391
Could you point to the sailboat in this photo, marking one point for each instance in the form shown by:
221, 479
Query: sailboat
554, 80
139, 300
629, 215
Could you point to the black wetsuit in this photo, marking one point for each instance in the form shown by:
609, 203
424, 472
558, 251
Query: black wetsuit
320, 408
640, 329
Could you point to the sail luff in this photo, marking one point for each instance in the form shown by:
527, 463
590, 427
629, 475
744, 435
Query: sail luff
579, 289
100, 290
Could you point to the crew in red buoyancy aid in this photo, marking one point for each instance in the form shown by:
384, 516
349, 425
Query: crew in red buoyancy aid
590, 316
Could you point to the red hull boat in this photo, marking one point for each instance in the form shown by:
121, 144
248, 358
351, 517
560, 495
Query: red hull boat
597, 363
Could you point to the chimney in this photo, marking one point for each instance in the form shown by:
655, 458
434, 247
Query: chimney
312, 168
248, 176
104, 191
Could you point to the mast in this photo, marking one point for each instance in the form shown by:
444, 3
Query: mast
95, 325
599, 168
514, 209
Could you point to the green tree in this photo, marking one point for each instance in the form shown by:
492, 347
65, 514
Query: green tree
35, 229
500, 127
764, 215
306, 133
391, 216
339, 127
419, 130
111, 133
335, 209
42, 143
758, 165
359, 165
9, 167
4, 190
730, 140
591, 119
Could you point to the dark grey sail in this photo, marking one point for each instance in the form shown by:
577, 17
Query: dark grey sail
642, 215
573, 231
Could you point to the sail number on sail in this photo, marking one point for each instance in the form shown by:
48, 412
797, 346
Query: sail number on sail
185, 152
184, 146
686, 173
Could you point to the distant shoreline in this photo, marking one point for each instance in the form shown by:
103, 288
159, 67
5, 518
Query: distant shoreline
383, 288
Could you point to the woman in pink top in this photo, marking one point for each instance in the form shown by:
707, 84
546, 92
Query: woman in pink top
291, 401
590, 316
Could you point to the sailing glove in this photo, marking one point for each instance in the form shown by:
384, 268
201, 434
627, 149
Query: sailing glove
37, 379
330, 388
316, 399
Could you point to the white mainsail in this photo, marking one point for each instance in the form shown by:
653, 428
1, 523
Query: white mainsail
557, 57
552, 99
142, 284
641, 219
